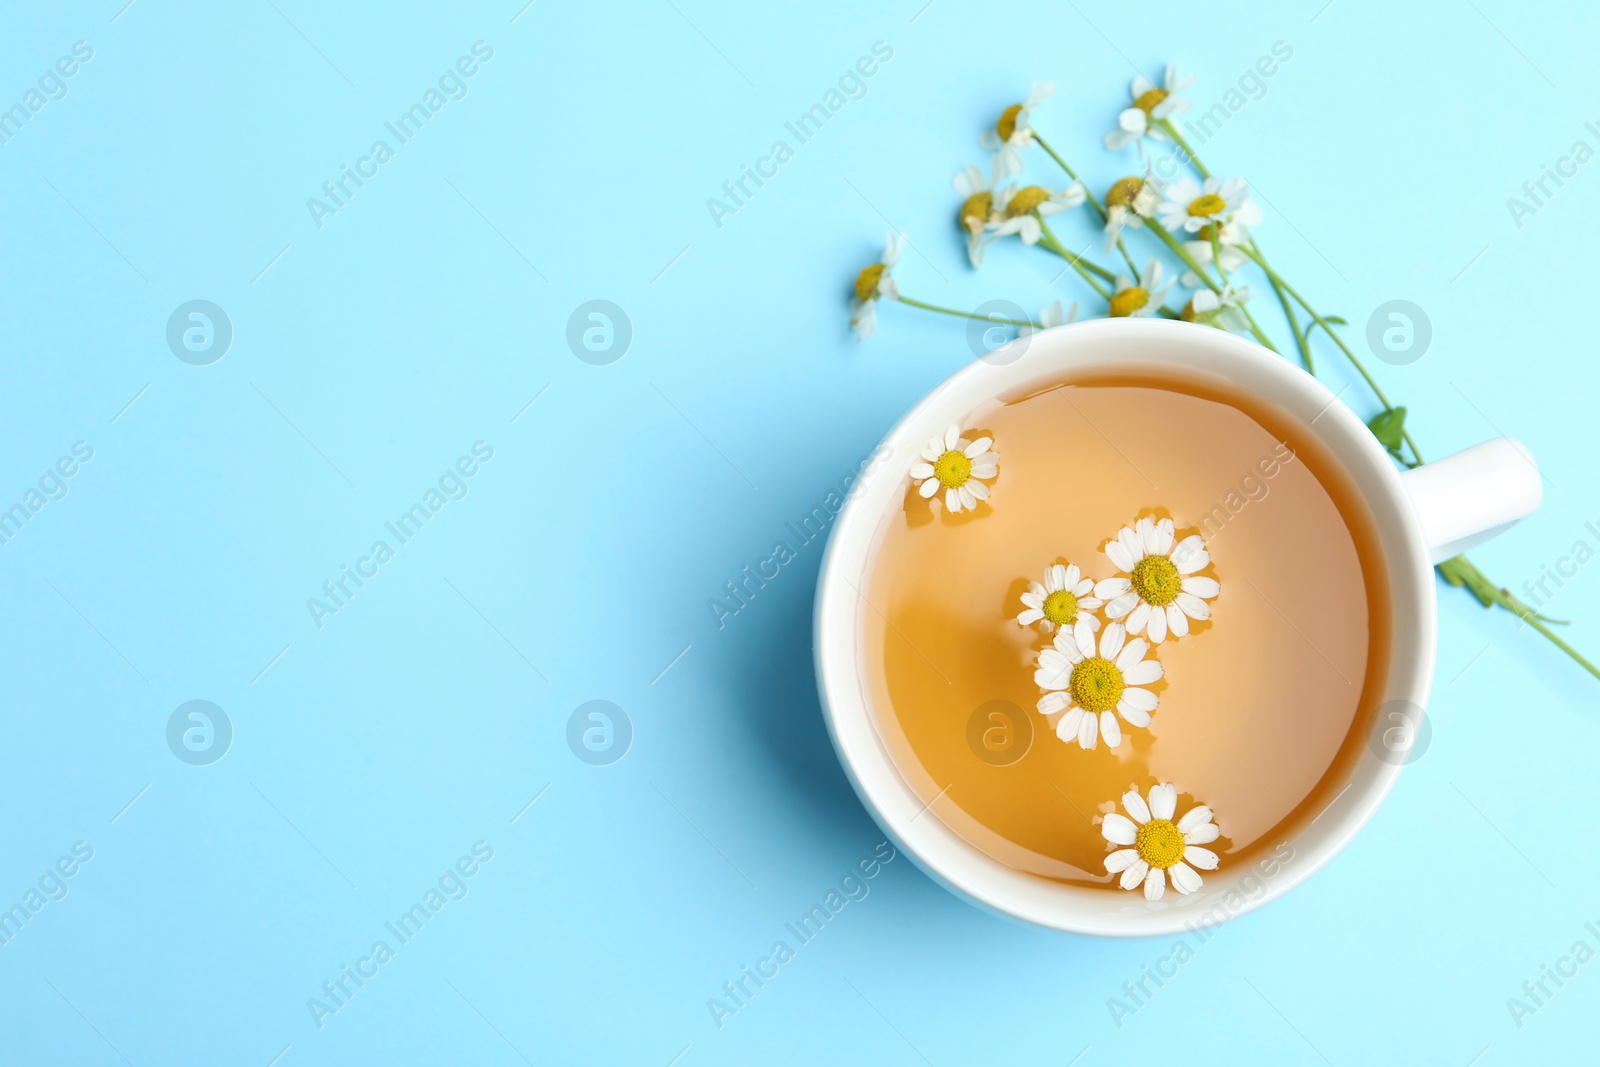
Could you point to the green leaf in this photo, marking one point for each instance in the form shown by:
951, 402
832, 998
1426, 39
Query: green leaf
1389, 428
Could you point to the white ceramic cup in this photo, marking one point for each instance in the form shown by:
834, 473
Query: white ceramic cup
1422, 517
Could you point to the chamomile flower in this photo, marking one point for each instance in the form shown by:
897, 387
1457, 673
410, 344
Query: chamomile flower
1158, 847
1129, 202
977, 210
1151, 104
1189, 206
1065, 598
1019, 210
1143, 297
1011, 133
1224, 310
1160, 592
1088, 685
872, 284
956, 465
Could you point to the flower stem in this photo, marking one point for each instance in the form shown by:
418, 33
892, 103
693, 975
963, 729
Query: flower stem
1255, 254
1081, 265
1200, 272
1460, 571
1294, 324
1094, 201
968, 314
1177, 139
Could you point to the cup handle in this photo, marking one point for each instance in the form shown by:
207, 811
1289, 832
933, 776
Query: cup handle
1466, 498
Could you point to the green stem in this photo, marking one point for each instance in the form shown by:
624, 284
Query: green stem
1081, 265
1462, 572
1377, 391
1200, 272
1094, 201
968, 314
1177, 139
1294, 324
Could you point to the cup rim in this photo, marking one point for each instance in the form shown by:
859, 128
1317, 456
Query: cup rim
1090, 347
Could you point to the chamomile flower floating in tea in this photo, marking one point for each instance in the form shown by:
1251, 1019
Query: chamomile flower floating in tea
1012, 133
1161, 591
1066, 598
1089, 686
1142, 297
956, 465
1020, 210
872, 283
1151, 106
1159, 847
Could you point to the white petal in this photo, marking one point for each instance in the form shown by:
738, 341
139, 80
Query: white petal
1147, 536
952, 434
1067, 725
1184, 880
1198, 815
1158, 625
1070, 648
1134, 874
1143, 673
1177, 621
1132, 542
929, 487
1085, 646
1203, 858
1119, 555
1056, 577
1083, 630
1121, 605
1138, 699
1110, 729
1088, 731
1121, 859
1051, 703
1131, 120
1193, 606
1164, 532
1069, 576
1139, 618
1163, 800
1034, 597
952, 501
1190, 554
1155, 884
1111, 588
1029, 617
919, 471
984, 470
1119, 829
1054, 670
1131, 654
978, 490
978, 447
1202, 587
1137, 809
1131, 714
1111, 642
1203, 834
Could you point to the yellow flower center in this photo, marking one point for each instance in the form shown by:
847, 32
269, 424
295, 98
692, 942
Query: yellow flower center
867, 282
1147, 101
952, 469
1159, 843
1096, 684
1157, 581
1128, 301
1123, 192
975, 211
1026, 199
1207, 204
1008, 122
1207, 232
1061, 607
1188, 314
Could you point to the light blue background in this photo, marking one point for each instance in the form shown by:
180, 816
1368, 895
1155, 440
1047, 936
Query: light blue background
371, 753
